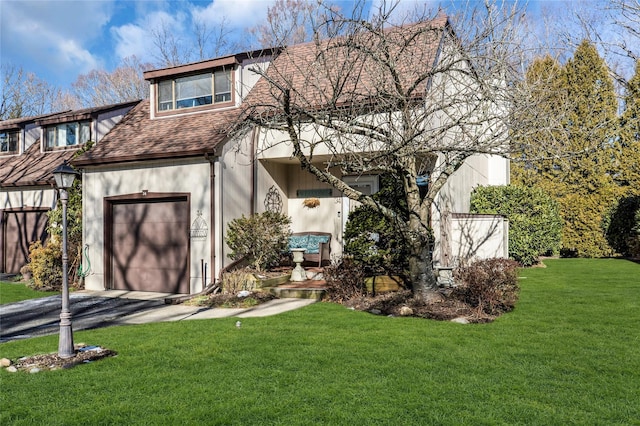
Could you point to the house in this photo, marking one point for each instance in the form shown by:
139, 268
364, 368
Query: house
161, 187
361, 99
30, 149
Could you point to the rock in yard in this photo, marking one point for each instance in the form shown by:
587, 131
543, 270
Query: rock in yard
376, 311
12, 369
406, 311
5, 362
460, 320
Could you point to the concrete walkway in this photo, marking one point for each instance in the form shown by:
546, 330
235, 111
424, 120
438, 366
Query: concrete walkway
97, 309
184, 312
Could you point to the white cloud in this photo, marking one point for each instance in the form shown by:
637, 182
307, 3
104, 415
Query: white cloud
58, 34
239, 14
137, 38
132, 40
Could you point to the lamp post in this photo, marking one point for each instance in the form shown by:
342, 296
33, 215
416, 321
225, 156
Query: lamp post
64, 176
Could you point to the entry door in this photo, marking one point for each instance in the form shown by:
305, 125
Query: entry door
150, 246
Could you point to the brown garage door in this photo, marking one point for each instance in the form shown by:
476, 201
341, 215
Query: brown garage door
150, 245
19, 229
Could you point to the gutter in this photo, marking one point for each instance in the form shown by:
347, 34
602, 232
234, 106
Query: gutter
212, 204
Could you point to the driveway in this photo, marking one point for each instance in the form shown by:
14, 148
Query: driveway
40, 317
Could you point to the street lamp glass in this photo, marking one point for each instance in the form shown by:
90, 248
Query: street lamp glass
64, 176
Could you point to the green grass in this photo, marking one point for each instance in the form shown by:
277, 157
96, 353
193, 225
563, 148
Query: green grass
568, 354
15, 292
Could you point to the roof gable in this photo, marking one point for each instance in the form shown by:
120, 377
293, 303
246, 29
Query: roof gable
346, 70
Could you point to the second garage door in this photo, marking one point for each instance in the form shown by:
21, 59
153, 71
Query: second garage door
19, 229
150, 245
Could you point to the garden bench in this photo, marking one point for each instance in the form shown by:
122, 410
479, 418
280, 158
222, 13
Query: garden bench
317, 246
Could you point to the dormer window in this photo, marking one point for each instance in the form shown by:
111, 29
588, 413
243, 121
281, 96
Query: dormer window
9, 142
67, 134
194, 90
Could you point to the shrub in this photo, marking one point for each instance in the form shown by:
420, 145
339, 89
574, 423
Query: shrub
345, 280
238, 280
260, 238
490, 285
535, 225
622, 227
46, 265
373, 239
74, 225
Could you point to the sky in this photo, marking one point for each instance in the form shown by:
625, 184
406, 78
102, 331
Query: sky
60, 39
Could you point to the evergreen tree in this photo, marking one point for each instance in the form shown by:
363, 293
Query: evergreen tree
627, 175
581, 179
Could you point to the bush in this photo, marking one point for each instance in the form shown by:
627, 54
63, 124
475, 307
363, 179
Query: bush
535, 225
372, 239
345, 280
238, 280
260, 239
46, 265
622, 227
490, 285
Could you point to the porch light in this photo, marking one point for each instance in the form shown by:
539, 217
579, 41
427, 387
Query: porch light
64, 176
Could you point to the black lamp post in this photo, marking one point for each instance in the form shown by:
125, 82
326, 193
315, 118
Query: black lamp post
64, 176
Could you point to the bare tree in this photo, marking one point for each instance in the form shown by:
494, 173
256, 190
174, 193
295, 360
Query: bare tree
410, 100
171, 49
125, 83
214, 40
24, 94
288, 22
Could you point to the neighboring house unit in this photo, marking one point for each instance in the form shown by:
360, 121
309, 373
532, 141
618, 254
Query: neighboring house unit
30, 149
161, 187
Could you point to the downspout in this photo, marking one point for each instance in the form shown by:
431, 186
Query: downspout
254, 170
212, 205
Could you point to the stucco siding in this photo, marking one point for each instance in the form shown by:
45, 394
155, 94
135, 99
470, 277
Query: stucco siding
44, 197
234, 190
479, 236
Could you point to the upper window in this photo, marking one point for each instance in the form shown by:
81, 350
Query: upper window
195, 90
9, 142
68, 134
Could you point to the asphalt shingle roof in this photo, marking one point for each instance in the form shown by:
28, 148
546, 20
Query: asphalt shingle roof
138, 137
32, 168
351, 71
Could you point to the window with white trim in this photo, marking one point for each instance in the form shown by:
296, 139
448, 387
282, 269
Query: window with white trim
9, 142
67, 134
194, 90
367, 184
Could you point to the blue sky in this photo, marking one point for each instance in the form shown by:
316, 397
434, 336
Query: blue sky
60, 39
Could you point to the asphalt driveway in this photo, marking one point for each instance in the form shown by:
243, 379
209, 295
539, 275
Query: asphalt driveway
40, 317
96, 309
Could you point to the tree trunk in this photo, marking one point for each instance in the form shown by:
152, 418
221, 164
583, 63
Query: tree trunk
423, 281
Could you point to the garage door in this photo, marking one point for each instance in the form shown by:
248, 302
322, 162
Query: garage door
150, 246
19, 230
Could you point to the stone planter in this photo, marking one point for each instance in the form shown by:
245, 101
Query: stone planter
265, 282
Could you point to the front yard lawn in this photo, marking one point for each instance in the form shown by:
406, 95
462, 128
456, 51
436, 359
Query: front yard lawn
15, 292
568, 354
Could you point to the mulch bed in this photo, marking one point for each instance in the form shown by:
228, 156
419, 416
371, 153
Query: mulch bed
83, 355
442, 308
